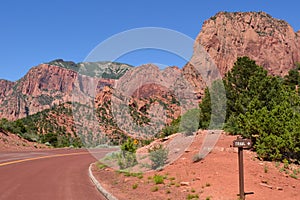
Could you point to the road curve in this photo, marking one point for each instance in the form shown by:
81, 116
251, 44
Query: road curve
45, 175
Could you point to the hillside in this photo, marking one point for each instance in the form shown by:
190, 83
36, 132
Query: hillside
13, 142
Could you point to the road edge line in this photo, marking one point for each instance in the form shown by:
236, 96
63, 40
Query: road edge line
105, 193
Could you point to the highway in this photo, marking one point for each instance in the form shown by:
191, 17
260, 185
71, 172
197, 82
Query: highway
43, 175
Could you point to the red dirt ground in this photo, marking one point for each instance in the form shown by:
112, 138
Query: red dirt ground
215, 177
12, 142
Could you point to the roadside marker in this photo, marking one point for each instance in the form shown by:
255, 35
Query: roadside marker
242, 144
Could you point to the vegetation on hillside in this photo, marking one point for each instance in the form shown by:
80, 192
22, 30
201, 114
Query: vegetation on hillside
110, 70
43, 128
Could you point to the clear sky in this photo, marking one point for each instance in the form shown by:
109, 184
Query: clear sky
36, 31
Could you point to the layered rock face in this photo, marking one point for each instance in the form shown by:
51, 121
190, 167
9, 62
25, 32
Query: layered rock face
142, 101
42, 87
46, 85
272, 43
6, 87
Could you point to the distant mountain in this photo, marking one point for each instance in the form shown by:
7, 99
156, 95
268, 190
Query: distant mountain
50, 84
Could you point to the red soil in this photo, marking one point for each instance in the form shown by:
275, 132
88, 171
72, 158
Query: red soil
215, 177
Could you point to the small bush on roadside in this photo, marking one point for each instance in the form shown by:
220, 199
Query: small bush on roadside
101, 165
126, 160
127, 156
158, 156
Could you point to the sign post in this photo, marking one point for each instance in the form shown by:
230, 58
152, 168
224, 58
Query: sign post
242, 144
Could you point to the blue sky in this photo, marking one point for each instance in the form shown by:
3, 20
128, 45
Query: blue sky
35, 31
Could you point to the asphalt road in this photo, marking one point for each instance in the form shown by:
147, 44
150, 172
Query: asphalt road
43, 175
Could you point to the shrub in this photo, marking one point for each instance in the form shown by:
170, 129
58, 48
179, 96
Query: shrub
130, 146
154, 189
172, 128
207, 184
158, 157
134, 186
127, 156
266, 169
285, 163
294, 176
158, 179
101, 165
192, 196
126, 160
190, 122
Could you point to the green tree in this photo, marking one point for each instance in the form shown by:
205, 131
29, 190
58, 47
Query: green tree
190, 121
238, 84
205, 110
275, 132
265, 109
293, 78
171, 129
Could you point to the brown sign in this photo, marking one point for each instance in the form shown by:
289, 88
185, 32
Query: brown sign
244, 143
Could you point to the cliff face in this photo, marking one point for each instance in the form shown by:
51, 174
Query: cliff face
6, 87
44, 86
142, 101
272, 43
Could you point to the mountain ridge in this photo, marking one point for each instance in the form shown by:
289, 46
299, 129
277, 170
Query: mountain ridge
42, 87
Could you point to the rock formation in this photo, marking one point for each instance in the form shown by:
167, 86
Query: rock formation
272, 43
46, 85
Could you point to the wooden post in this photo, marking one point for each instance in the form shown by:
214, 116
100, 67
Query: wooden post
241, 173
242, 144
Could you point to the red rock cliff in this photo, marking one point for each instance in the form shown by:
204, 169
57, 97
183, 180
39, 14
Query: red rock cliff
272, 43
